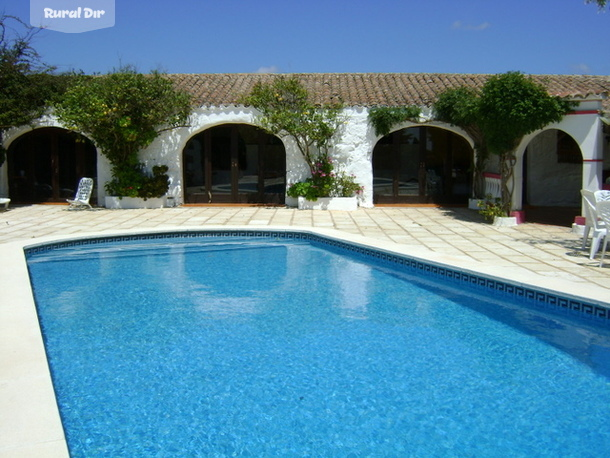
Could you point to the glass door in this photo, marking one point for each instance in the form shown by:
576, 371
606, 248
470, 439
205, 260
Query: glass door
422, 165
235, 163
45, 165
398, 162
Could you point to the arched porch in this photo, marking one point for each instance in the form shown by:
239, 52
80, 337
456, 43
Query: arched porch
552, 178
234, 163
422, 164
46, 164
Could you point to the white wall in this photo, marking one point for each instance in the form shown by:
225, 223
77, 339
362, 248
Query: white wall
550, 183
351, 149
585, 126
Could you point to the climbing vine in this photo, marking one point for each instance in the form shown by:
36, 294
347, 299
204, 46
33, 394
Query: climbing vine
383, 119
123, 112
288, 111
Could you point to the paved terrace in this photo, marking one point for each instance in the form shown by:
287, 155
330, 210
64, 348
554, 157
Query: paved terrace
550, 251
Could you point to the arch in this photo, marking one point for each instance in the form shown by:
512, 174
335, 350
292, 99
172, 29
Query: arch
422, 164
552, 170
46, 164
234, 163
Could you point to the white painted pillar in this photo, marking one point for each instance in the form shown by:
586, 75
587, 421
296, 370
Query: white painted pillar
517, 202
593, 159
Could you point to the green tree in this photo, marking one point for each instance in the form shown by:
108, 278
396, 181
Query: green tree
511, 107
508, 107
26, 84
287, 111
600, 3
123, 112
459, 106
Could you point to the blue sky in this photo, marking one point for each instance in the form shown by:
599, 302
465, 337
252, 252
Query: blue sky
294, 36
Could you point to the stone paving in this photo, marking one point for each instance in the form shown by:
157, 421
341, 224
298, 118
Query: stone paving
547, 250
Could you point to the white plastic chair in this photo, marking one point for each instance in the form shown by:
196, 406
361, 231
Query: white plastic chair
83, 194
603, 212
592, 220
589, 210
602, 195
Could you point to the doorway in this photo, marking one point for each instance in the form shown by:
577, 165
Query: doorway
422, 165
234, 163
45, 165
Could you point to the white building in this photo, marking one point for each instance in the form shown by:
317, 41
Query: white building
223, 157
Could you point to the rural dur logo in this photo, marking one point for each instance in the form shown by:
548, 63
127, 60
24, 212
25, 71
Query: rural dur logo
72, 16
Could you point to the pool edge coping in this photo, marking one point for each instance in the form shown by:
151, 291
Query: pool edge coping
26, 355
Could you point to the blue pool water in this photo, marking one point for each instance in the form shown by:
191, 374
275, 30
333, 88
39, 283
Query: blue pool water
238, 346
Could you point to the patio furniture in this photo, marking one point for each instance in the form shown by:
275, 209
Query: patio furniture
603, 212
589, 207
83, 194
604, 194
592, 220
493, 185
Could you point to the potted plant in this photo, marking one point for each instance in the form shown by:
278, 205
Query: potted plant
134, 188
492, 210
326, 189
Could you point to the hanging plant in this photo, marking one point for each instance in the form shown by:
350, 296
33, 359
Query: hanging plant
383, 119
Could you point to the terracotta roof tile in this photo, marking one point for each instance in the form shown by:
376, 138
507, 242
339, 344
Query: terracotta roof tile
371, 89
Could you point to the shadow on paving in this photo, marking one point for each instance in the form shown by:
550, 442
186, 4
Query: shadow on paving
552, 216
463, 214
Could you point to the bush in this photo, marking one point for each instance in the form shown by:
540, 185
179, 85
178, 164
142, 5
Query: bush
157, 185
490, 208
123, 112
134, 182
305, 189
325, 182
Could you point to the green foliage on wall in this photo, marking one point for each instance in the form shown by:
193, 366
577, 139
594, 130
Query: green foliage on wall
513, 105
123, 112
288, 111
508, 107
383, 119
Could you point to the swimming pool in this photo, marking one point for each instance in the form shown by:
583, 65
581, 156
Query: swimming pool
311, 346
